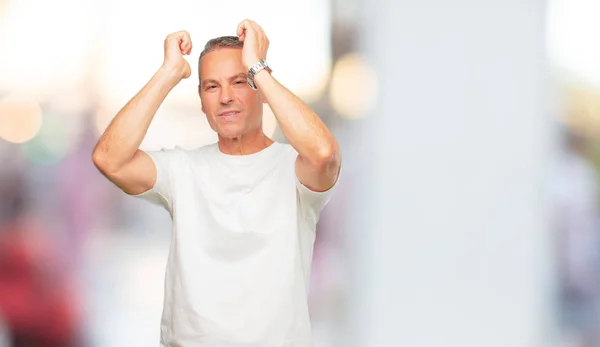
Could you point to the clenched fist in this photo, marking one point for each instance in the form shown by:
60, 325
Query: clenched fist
176, 45
255, 41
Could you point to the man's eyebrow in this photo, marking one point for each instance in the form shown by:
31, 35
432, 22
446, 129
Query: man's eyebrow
241, 74
206, 81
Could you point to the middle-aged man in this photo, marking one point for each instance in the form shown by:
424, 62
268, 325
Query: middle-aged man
244, 209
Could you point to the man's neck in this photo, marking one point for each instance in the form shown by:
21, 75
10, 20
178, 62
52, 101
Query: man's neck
248, 143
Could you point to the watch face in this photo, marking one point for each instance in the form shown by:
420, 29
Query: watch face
256, 68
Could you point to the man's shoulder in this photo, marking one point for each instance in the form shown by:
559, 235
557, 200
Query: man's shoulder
287, 149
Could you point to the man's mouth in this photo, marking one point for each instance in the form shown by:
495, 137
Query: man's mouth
229, 115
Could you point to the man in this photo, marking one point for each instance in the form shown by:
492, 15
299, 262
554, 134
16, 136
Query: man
244, 209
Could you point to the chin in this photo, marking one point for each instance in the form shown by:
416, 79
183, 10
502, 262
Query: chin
230, 132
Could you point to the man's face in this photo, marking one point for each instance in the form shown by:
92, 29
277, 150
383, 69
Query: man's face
231, 106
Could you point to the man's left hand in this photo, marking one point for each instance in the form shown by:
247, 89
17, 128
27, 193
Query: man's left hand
255, 41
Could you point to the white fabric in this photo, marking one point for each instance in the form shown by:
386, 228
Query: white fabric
241, 248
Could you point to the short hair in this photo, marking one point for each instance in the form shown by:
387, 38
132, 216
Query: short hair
219, 42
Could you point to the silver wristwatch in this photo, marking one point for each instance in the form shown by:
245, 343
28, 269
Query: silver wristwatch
254, 70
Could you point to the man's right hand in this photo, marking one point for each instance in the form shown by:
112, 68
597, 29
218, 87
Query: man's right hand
177, 45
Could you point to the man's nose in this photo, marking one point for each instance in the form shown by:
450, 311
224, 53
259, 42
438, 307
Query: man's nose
226, 95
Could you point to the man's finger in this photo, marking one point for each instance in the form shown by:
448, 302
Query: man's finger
256, 28
244, 25
181, 35
186, 48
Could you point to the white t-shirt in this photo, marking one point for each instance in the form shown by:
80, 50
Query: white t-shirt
241, 247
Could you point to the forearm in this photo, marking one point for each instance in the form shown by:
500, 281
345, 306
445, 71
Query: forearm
125, 133
305, 131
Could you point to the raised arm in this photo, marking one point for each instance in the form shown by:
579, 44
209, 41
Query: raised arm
319, 157
116, 154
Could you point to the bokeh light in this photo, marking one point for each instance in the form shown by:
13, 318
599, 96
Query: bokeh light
57, 136
311, 90
353, 87
20, 118
582, 108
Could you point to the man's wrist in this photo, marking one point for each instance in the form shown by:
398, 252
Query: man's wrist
261, 77
250, 63
168, 75
255, 70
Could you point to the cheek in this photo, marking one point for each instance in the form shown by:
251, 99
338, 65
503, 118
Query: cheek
244, 92
209, 102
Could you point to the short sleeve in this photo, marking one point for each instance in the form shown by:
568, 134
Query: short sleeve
311, 202
165, 161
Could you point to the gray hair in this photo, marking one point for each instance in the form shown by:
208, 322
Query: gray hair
219, 42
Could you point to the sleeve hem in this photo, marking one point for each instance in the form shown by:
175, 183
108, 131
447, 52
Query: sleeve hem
148, 194
318, 193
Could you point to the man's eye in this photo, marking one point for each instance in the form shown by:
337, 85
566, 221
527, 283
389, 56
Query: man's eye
211, 87
240, 82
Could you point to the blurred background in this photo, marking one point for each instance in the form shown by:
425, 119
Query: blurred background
466, 213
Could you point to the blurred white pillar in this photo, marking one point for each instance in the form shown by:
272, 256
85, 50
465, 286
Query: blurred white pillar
454, 249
